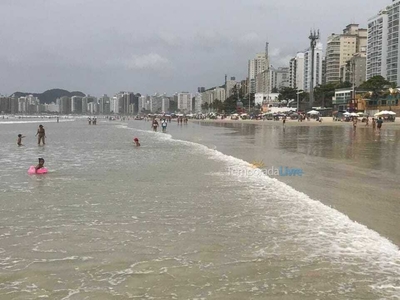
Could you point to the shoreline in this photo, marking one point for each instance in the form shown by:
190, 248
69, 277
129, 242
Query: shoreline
343, 170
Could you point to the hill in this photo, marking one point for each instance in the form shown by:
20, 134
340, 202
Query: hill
50, 95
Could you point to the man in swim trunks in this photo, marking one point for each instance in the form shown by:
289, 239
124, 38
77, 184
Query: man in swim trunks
41, 134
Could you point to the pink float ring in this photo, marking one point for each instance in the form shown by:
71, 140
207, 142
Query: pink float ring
32, 170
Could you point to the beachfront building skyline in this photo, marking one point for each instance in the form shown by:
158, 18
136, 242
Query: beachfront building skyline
341, 48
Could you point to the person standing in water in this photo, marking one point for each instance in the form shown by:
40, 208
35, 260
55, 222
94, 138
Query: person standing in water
164, 125
41, 134
136, 141
19, 140
154, 124
380, 122
373, 123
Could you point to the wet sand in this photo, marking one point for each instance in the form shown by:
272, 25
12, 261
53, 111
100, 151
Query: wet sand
355, 172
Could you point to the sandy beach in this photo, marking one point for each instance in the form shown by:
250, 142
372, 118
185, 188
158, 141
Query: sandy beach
326, 121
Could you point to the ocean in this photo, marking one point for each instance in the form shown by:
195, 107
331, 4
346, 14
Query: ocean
176, 219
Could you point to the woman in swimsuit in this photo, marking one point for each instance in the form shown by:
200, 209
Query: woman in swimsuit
41, 134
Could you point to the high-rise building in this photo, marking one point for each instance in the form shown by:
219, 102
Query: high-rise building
76, 104
255, 67
64, 104
296, 71
230, 85
377, 46
198, 101
341, 48
185, 102
318, 54
8, 105
279, 78
104, 104
354, 71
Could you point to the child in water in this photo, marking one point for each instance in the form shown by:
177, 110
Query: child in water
136, 140
40, 165
19, 140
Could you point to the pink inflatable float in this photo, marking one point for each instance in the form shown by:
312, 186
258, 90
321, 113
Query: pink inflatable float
32, 170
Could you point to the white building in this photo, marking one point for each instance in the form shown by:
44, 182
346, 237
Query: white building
279, 78
165, 104
185, 102
296, 71
219, 94
198, 101
393, 50
156, 103
262, 98
255, 67
114, 105
76, 104
52, 107
377, 45
230, 85
318, 56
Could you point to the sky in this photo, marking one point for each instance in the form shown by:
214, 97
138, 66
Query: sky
148, 46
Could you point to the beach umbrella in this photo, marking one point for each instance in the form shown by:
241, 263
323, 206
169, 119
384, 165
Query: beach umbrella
385, 113
313, 112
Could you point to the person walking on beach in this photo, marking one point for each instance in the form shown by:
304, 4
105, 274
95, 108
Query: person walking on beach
380, 122
41, 134
283, 120
373, 123
367, 121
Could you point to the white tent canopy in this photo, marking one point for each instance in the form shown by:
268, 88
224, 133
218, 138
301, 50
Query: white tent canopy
313, 112
385, 113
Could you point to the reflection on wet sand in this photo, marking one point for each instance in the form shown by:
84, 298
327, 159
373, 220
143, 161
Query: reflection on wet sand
356, 172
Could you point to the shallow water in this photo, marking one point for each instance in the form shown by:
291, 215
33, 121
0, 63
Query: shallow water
169, 220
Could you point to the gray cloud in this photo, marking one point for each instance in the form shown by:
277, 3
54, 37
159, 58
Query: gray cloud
103, 46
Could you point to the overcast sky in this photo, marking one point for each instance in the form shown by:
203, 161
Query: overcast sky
148, 46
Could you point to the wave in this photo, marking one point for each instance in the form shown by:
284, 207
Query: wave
328, 232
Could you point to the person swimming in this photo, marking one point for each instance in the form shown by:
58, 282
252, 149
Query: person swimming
136, 140
40, 165
19, 140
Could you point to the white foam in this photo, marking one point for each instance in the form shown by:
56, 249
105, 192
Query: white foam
327, 231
